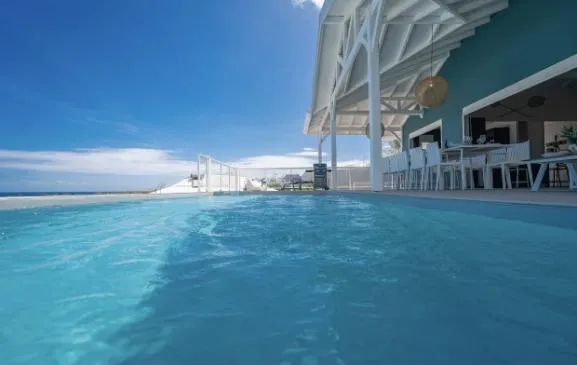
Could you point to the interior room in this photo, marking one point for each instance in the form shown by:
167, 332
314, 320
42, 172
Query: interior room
428, 134
539, 114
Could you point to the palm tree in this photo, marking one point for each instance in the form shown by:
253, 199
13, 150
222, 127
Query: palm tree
391, 148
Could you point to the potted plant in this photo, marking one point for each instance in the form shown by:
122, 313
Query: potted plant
570, 134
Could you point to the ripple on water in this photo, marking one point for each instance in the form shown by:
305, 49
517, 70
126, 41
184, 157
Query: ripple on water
265, 281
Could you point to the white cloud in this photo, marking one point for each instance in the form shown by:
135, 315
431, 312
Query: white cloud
109, 161
305, 158
317, 3
104, 169
140, 161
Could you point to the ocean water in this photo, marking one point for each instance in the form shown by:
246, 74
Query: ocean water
12, 194
289, 279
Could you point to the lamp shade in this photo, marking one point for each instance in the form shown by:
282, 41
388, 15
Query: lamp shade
368, 130
432, 92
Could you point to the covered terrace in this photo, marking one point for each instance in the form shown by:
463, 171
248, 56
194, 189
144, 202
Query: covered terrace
371, 54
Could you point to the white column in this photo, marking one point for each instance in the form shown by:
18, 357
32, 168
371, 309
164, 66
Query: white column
320, 149
208, 173
237, 180
334, 175
374, 111
198, 175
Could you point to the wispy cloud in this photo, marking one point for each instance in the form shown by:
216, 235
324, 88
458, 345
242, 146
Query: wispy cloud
317, 3
109, 161
305, 158
124, 168
119, 126
119, 122
307, 152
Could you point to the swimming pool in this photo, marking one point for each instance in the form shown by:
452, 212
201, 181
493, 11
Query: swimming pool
289, 279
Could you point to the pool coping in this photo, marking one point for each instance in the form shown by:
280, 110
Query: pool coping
32, 202
493, 196
496, 196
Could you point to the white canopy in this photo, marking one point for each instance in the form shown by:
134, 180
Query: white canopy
405, 31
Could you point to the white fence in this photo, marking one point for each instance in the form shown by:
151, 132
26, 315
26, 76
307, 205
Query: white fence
354, 178
217, 176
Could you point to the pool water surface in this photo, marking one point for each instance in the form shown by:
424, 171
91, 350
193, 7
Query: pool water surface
289, 279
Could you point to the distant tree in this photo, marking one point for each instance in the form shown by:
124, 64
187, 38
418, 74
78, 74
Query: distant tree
391, 148
191, 179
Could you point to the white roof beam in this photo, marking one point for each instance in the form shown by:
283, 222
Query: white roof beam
424, 55
431, 19
412, 84
402, 74
436, 70
383, 112
439, 44
472, 5
397, 75
404, 42
401, 8
486, 11
407, 36
334, 19
398, 98
378, 15
361, 130
448, 9
351, 56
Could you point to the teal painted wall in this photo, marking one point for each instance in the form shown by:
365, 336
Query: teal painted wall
525, 38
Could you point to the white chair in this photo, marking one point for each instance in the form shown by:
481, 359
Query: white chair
399, 170
495, 159
435, 168
417, 168
386, 170
513, 156
475, 163
518, 156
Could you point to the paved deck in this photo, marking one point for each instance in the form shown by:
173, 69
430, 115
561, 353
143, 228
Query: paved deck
27, 202
521, 196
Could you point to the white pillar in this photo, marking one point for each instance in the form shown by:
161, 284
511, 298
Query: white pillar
237, 180
320, 149
208, 173
374, 112
198, 175
334, 175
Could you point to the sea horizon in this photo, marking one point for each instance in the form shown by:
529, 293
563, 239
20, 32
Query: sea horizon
49, 193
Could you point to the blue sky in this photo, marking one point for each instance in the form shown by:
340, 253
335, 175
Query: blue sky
124, 94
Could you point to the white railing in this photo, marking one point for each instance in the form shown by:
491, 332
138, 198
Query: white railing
354, 178
217, 176
277, 178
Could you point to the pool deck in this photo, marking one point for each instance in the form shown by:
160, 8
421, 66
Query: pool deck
29, 202
521, 196
546, 197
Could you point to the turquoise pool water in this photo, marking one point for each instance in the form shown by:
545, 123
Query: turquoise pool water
289, 279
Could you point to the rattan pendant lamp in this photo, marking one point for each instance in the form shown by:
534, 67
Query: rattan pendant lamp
432, 91
368, 130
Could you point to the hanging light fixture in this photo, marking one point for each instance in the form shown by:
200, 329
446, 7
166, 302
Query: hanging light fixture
432, 91
368, 130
